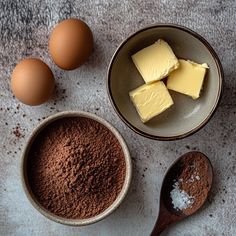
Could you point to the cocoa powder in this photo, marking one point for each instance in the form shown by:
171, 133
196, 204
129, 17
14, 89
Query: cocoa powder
76, 168
194, 180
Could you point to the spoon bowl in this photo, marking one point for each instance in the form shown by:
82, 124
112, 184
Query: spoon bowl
168, 213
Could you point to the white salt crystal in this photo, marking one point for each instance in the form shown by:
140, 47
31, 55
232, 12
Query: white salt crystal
180, 199
197, 177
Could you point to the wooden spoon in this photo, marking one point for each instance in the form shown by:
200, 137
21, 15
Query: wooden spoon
167, 213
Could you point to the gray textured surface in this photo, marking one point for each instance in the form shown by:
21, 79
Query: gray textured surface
24, 29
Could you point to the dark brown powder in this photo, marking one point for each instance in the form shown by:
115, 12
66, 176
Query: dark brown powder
194, 180
16, 131
76, 168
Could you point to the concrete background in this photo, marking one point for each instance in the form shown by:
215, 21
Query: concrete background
24, 30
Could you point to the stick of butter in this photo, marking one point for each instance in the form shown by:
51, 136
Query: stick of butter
151, 100
188, 78
156, 61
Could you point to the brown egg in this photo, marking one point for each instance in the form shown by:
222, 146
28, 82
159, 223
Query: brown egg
32, 81
71, 43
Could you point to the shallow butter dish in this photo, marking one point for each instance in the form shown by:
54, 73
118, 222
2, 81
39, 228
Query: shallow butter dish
186, 116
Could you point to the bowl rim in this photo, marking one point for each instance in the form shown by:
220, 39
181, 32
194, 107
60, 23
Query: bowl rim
75, 222
219, 92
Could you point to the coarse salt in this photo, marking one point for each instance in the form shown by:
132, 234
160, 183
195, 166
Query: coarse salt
180, 199
197, 177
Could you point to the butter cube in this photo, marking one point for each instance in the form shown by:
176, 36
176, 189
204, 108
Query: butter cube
151, 100
156, 61
188, 78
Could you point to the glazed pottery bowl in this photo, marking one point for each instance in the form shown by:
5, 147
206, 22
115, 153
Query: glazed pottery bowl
186, 116
25, 181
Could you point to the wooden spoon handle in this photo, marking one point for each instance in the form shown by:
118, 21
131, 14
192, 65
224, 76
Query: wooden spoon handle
161, 224
165, 219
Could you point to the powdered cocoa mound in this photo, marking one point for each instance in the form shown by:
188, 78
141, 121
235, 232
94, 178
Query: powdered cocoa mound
195, 180
76, 168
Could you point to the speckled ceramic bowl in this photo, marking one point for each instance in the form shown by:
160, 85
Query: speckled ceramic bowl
186, 116
30, 195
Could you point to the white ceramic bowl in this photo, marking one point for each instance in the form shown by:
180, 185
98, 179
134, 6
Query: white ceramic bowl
30, 195
186, 116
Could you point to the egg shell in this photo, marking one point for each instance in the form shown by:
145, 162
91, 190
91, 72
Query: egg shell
32, 81
71, 43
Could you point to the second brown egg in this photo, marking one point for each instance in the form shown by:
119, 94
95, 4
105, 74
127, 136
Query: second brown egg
71, 43
32, 81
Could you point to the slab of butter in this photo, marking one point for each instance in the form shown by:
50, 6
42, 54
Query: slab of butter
188, 78
151, 100
156, 61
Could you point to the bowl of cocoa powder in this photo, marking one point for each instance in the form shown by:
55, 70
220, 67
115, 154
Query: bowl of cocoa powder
76, 168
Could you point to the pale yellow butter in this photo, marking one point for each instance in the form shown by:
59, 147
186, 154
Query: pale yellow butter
188, 78
151, 100
156, 61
